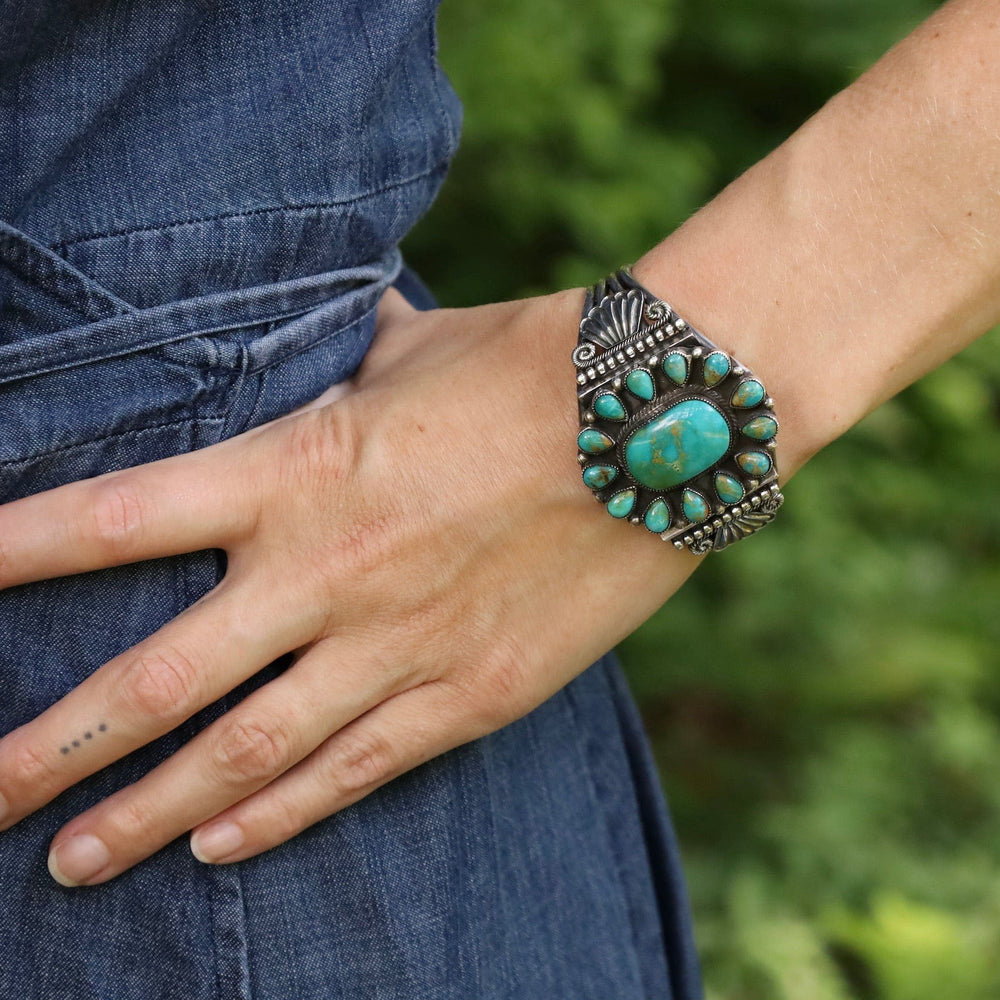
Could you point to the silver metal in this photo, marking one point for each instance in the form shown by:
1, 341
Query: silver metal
621, 325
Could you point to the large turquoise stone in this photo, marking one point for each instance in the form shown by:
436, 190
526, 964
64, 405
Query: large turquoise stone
748, 393
695, 506
621, 504
679, 443
761, 428
754, 463
716, 368
675, 365
609, 406
593, 441
640, 383
657, 517
598, 476
730, 489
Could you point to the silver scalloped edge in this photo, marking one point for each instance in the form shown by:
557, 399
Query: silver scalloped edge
613, 319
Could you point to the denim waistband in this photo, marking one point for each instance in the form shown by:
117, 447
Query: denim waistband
110, 327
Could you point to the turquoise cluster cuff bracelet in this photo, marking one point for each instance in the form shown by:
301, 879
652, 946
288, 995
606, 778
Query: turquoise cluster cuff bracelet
676, 435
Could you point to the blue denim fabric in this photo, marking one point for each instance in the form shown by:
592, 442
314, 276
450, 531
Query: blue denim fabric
204, 205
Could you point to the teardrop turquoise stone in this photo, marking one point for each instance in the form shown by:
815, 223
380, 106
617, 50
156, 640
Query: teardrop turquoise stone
748, 393
695, 506
680, 443
675, 365
620, 505
598, 476
640, 383
716, 368
609, 406
730, 490
593, 441
658, 517
754, 463
763, 428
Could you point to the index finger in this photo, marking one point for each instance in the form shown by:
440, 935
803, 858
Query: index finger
179, 504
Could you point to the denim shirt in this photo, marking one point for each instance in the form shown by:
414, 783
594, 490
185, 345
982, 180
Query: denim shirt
218, 183
171, 149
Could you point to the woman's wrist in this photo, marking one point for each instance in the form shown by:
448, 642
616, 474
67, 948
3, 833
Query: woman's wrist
862, 252
732, 272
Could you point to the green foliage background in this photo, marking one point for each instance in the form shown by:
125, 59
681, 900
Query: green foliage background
824, 701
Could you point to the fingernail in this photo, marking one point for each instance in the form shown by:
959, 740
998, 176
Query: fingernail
216, 841
4, 811
78, 859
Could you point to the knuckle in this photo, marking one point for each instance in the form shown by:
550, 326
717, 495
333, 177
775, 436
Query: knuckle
34, 772
505, 670
162, 683
131, 820
367, 544
119, 514
236, 617
502, 692
253, 751
320, 448
360, 762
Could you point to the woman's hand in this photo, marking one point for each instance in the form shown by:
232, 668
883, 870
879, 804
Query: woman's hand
421, 541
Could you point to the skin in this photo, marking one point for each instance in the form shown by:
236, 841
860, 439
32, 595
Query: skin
856, 257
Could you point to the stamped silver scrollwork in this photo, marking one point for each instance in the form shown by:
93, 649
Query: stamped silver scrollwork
746, 524
584, 354
657, 311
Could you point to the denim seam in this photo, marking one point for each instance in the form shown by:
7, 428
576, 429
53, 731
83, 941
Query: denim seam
263, 210
76, 298
492, 837
6, 462
684, 976
250, 420
123, 351
234, 423
41, 266
589, 748
411, 92
238, 880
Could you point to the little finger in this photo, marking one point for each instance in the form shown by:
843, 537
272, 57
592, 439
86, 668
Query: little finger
399, 734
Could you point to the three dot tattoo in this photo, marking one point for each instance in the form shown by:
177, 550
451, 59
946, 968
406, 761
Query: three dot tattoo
88, 735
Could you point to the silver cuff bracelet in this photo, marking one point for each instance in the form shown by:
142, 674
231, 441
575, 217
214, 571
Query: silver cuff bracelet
675, 433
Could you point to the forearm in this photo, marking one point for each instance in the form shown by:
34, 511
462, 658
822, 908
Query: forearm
866, 249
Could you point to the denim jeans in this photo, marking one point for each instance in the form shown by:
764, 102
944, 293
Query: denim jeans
204, 210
